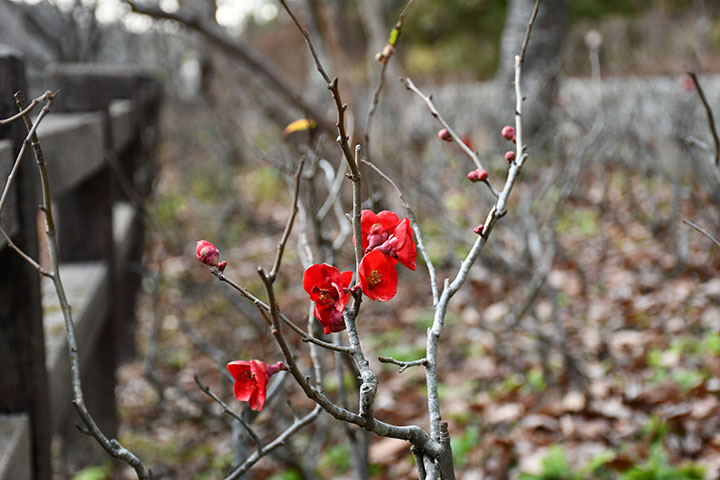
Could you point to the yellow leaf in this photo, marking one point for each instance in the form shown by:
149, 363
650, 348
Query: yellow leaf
298, 125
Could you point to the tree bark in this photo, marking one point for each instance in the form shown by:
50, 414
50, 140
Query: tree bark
542, 65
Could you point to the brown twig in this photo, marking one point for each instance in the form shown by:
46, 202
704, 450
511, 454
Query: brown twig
402, 364
289, 224
416, 229
25, 256
111, 446
436, 114
251, 58
711, 117
48, 97
230, 412
701, 230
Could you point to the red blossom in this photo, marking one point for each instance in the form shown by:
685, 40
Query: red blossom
510, 156
376, 228
207, 253
251, 380
328, 288
400, 245
378, 277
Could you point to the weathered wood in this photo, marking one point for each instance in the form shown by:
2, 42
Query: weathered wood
73, 145
8, 218
23, 383
15, 461
86, 288
85, 233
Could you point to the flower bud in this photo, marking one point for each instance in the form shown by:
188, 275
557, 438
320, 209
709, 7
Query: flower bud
207, 253
479, 229
508, 133
510, 156
443, 134
477, 175
221, 265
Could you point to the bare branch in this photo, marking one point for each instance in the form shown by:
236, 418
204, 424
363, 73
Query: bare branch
111, 446
289, 224
435, 113
25, 256
403, 365
701, 230
711, 117
416, 228
230, 412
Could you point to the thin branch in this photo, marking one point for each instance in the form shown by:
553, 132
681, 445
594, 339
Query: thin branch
25, 256
289, 224
711, 117
309, 43
531, 22
416, 228
47, 96
111, 446
394, 36
265, 309
701, 230
436, 114
279, 441
402, 364
230, 412
252, 59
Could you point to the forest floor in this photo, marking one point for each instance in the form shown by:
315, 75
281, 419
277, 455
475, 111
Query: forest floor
617, 370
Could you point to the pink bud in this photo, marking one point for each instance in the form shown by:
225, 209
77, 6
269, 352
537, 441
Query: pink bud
443, 134
479, 229
207, 253
508, 133
510, 156
221, 265
477, 175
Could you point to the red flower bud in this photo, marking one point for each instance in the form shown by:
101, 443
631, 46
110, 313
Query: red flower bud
479, 229
510, 156
207, 253
221, 265
477, 175
443, 134
508, 133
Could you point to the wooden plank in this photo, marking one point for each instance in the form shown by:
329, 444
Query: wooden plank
15, 458
122, 124
9, 219
86, 289
73, 145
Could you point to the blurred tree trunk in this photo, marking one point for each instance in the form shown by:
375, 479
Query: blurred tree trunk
542, 58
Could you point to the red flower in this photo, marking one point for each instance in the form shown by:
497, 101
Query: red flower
328, 288
400, 245
378, 277
207, 253
251, 380
376, 228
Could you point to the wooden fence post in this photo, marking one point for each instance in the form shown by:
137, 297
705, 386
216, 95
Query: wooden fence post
23, 380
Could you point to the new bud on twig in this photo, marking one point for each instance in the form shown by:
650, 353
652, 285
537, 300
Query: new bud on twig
508, 133
443, 134
510, 156
479, 229
477, 175
207, 253
221, 265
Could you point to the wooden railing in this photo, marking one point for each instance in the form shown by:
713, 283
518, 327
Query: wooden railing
99, 144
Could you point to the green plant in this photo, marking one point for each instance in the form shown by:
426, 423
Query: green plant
657, 467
